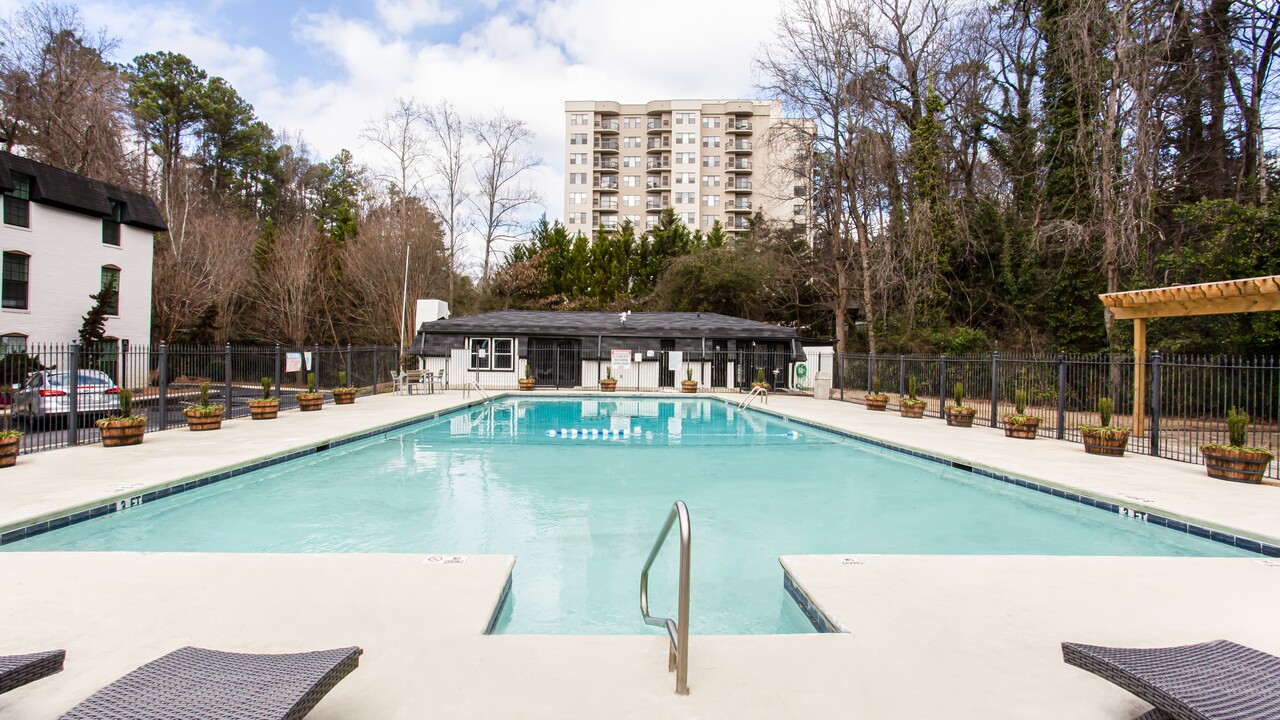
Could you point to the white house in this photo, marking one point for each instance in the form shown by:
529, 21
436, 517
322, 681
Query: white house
65, 237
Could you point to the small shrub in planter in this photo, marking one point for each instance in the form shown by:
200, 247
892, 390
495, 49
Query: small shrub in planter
203, 415
10, 443
310, 400
1105, 439
1019, 424
688, 385
960, 415
344, 394
608, 384
1236, 461
528, 382
265, 407
760, 383
875, 399
125, 428
911, 406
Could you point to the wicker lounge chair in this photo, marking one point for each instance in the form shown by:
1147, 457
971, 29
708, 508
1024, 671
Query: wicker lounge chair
1216, 680
18, 670
197, 684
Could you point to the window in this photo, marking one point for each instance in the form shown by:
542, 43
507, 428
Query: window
630, 142
631, 181
579, 119
17, 202
711, 141
800, 190
686, 178
710, 122
686, 158
711, 200
710, 181
577, 178
577, 198
631, 161
797, 210
631, 201
13, 343
578, 217
111, 225
686, 138
686, 198
687, 218
577, 138
709, 220
633, 219
710, 161
632, 123
492, 353
577, 158
14, 290
111, 289
686, 118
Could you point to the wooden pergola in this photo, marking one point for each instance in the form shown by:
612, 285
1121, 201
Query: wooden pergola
1260, 294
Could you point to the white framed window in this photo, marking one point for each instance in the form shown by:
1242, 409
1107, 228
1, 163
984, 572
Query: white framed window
687, 218
711, 141
13, 343
631, 161
686, 198
686, 158
577, 178
710, 122
632, 123
577, 198
631, 142
686, 138
686, 178
577, 158
577, 138
709, 220
631, 181
631, 201
711, 200
491, 353
710, 181
578, 218
633, 219
579, 119
710, 161
686, 118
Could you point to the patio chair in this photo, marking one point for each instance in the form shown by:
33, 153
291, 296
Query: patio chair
397, 382
194, 684
1217, 680
18, 670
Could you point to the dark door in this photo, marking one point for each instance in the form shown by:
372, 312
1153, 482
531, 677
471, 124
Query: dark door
556, 362
666, 373
719, 363
568, 363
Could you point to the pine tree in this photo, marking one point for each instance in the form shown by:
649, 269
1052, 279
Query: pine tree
94, 328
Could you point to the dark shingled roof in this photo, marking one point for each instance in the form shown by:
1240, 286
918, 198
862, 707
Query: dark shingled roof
77, 193
640, 324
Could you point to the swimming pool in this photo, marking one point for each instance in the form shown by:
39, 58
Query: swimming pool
580, 510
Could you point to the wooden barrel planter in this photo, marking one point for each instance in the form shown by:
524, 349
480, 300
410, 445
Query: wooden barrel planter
960, 418
608, 385
1025, 430
9, 447
264, 409
688, 386
119, 433
527, 384
877, 402
310, 402
911, 410
200, 423
1235, 464
1098, 444
344, 396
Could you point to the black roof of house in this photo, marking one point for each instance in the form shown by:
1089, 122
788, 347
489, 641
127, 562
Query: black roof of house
77, 193
638, 324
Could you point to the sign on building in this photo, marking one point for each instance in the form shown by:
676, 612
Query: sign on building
620, 360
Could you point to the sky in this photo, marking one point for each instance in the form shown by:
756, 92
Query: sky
323, 68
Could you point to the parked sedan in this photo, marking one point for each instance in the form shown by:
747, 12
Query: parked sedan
46, 395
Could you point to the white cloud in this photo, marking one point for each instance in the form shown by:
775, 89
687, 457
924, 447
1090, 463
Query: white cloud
407, 15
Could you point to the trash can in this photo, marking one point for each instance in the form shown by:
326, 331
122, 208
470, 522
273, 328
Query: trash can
822, 386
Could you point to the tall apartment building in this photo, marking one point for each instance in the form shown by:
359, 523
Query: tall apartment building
708, 160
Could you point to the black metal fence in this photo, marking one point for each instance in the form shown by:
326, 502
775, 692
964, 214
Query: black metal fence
36, 397
1186, 399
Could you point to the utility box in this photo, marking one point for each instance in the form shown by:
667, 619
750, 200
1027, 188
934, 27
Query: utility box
822, 385
430, 311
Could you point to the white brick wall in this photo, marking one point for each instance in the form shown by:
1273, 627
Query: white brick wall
67, 255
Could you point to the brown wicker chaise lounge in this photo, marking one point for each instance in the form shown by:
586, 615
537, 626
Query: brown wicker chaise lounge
18, 670
197, 684
1217, 680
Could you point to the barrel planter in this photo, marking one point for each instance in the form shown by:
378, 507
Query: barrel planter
960, 417
527, 384
1025, 429
608, 385
1235, 464
119, 433
877, 402
688, 386
309, 402
9, 446
200, 422
908, 409
264, 409
1112, 445
344, 396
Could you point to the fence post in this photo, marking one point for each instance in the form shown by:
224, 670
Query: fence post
902, 376
1155, 403
278, 377
351, 380
315, 364
226, 377
942, 385
73, 396
840, 367
122, 369
162, 405
995, 389
1062, 395
871, 370
377, 369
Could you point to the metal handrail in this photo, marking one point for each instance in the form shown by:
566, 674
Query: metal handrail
677, 630
473, 384
756, 392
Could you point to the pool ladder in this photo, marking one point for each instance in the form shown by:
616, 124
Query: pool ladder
756, 392
677, 630
473, 385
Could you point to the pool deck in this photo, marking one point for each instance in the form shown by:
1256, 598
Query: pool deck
956, 637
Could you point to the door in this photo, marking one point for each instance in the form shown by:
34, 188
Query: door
719, 363
666, 373
555, 362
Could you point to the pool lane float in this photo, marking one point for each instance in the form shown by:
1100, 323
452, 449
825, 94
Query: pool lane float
590, 433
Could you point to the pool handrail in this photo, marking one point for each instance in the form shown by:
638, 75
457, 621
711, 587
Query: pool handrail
677, 630
756, 392
473, 385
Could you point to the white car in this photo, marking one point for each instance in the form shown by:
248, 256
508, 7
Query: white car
46, 395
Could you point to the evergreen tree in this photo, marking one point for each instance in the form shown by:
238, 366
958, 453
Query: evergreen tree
93, 329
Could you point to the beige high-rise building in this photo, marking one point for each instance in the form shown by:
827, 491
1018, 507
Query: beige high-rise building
708, 160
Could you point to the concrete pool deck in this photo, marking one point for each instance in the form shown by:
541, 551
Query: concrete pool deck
957, 637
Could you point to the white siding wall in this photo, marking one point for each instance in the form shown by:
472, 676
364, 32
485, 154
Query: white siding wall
67, 255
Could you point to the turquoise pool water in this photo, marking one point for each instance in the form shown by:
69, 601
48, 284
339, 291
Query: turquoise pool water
580, 513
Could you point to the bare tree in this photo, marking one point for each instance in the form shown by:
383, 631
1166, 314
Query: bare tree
505, 158
450, 164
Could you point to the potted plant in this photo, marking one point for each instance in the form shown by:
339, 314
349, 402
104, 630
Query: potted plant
125, 428
760, 383
608, 384
960, 415
688, 385
911, 406
10, 443
266, 407
1105, 439
1019, 424
875, 399
528, 382
203, 416
1236, 461
310, 400
343, 394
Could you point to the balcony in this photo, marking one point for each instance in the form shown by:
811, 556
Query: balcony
659, 124
657, 163
609, 145
656, 204
605, 204
658, 144
658, 184
605, 164
606, 184
607, 126
738, 206
738, 146
741, 126
738, 185
737, 223
740, 165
